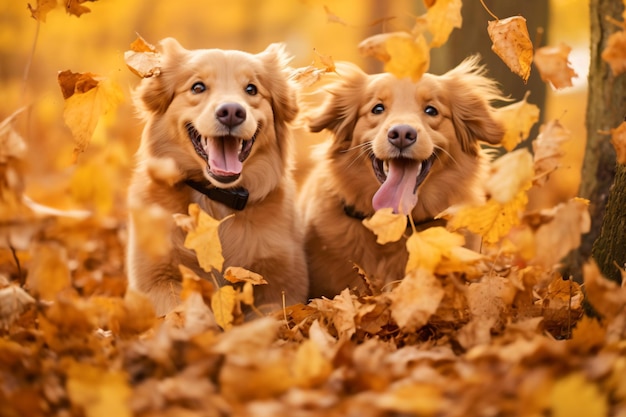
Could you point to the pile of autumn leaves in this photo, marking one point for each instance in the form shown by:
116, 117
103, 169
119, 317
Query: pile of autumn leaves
463, 334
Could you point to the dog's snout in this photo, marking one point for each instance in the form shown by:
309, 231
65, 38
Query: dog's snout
230, 114
402, 136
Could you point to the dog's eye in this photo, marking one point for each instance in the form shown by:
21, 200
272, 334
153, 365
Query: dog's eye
198, 88
251, 89
431, 111
378, 109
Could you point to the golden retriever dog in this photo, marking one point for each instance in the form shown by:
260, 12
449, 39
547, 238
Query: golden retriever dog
409, 146
217, 133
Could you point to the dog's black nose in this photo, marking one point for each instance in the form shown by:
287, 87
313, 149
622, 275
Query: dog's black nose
230, 114
402, 136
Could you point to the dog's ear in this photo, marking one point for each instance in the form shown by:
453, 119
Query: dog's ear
276, 77
155, 93
340, 110
472, 113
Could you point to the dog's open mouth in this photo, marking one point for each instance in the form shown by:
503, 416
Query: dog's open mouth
399, 178
224, 154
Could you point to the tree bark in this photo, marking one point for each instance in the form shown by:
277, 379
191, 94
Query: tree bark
606, 107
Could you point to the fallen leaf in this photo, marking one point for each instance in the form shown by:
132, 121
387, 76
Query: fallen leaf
575, 395
553, 65
442, 17
427, 248
415, 299
510, 174
512, 44
413, 398
204, 239
13, 302
547, 150
618, 140
386, 225
517, 118
615, 52
311, 368
236, 274
223, 304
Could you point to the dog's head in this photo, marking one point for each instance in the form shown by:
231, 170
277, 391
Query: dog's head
219, 108
411, 137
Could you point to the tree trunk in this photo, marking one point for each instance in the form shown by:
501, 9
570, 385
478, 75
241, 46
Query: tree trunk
606, 107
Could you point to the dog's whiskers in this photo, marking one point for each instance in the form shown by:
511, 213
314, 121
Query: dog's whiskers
439, 148
363, 149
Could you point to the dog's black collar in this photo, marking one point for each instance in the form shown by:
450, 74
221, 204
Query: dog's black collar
419, 226
235, 198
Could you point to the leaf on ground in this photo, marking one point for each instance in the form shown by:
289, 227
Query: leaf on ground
413, 398
427, 248
510, 174
13, 302
615, 52
386, 225
618, 140
87, 98
311, 367
575, 395
40, 11
415, 299
512, 44
553, 65
547, 150
236, 274
223, 304
143, 59
518, 118
204, 239
442, 17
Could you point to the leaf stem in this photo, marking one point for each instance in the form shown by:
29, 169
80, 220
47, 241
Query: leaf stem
488, 11
30, 60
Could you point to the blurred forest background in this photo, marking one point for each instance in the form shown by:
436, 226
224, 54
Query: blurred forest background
32, 53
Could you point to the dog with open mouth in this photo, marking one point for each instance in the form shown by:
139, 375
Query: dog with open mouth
409, 146
217, 133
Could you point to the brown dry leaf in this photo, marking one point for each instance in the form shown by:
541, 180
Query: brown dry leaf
442, 17
13, 302
223, 304
49, 272
403, 54
553, 65
575, 395
618, 140
204, 239
427, 248
510, 174
512, 44
76, 8
556, 238
143, 59
236, 274
518, 118
333, 18
344, 313
87, 98
42, 8
415, 299
547, 150
386, 225
615, 52
99, 392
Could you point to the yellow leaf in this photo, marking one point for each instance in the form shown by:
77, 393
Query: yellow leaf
614, 54
86, 99
618, 140
427, 248
40, 11
547, 150
237, 274
223, 304
408, 57
143, 59
192, 283
310, 366
333, 18
492, 220
204, 239
442, 17
387, 226
99, 392
518, 118
511, 173
415, 299
574, 395
413, 398
512, 44
553, 65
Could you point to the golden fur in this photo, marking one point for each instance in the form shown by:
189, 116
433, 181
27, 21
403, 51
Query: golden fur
190, 91
344, 173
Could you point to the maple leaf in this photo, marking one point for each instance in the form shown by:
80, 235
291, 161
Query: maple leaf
427, 248
442, 17
618, 140
223, 304
415, 299
510, 174
547, 150
517, 118
614, 53
87, 97
143, 59
42, 8
512, 44
403, 54
204, 239
386, 225
76, 8
553, 65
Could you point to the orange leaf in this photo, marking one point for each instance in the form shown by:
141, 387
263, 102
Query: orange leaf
143, 59
41, 10
403, 54
512, 44
518, 118
76, 7
553, 65
236, 274
615, 52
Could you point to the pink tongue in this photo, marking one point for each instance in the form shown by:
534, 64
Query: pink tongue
398, 190
223, 156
